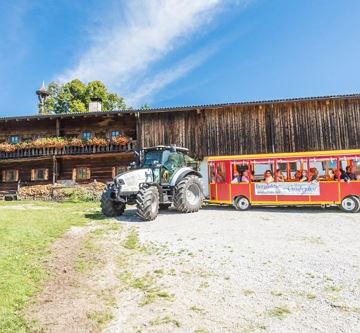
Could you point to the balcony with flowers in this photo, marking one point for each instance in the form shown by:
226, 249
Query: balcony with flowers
62, 146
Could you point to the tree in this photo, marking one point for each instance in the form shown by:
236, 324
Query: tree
75, 96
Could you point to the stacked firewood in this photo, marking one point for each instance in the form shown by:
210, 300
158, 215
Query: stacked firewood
88, 192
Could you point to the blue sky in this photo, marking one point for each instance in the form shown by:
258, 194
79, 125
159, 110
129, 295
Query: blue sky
180, 52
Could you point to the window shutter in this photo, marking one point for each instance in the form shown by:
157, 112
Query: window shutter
113, 172
74, 174
32, 174
16, 175
4, 176
88, 173
46, 174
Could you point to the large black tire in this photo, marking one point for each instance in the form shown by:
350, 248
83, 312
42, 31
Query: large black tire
350, 204
109, 207
147, 203
189, 194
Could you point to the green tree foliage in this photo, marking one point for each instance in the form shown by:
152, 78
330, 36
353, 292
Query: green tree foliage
75, 96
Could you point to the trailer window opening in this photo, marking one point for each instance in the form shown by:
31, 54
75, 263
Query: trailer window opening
220, 172
240, 173
259, 170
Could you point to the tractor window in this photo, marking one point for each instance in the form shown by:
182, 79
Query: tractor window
172, 160
150, 157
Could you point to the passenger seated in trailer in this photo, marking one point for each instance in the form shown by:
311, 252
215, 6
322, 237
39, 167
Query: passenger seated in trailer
332, 174
314, 175
279, 176
237, 178
298, 175
268, 177
350, 172
343, 176
245, 176
304, 176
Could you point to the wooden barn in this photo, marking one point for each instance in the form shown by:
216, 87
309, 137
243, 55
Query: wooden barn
84, 147
306, 124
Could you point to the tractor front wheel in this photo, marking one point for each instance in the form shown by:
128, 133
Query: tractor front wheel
109, 207
189, 194
147, 203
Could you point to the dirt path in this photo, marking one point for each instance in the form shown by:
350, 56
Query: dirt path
215, 271
78, 296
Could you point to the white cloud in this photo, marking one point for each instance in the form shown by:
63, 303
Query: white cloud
146, 31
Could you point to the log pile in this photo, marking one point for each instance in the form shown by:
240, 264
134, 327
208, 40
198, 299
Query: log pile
88, 192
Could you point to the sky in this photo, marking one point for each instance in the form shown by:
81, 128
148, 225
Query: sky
180, 52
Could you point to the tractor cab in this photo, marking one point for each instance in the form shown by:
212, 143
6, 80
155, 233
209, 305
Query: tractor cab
164, 161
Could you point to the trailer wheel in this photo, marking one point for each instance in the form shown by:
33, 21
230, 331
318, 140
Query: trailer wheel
350, 204
242, 203
189, 194
147, 203
109, 207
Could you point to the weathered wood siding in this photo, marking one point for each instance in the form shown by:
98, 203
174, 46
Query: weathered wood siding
24, 169
100, 167
257, 128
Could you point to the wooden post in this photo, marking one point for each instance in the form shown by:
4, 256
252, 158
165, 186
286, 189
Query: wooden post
54, 170
57, 127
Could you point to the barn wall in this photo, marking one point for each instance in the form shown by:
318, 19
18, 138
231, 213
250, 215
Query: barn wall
257, 128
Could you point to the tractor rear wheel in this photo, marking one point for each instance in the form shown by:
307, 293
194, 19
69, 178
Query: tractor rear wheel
147, 203
189, 194
109, 207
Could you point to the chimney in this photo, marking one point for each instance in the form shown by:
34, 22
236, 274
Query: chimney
95, 105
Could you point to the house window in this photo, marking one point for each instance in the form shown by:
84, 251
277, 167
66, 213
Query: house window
82, 173
114, 134
39, 174
118, 169
86, 135
10, 176
14, 139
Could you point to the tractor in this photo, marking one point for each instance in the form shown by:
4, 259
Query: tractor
161, 177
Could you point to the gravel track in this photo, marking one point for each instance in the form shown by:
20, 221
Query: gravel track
264, 270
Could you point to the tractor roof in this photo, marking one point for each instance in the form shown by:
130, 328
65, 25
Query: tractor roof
173, 148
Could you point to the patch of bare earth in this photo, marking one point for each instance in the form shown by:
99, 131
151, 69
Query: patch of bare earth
77, 296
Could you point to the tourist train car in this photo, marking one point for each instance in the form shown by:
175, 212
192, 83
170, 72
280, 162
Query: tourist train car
323, 178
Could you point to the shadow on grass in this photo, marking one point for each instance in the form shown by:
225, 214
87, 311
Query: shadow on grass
97, 216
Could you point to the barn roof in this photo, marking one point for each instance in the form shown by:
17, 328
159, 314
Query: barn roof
177, 108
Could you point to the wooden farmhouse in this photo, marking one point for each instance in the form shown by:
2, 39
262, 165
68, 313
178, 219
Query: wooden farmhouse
83, 147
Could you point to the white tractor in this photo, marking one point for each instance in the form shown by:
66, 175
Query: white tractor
164, 176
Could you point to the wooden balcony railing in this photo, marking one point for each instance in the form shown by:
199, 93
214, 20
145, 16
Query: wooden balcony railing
67, 150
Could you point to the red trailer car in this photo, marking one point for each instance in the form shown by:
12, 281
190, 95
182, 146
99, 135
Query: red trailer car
285, 179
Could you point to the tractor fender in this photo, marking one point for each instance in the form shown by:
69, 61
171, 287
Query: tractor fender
183, 172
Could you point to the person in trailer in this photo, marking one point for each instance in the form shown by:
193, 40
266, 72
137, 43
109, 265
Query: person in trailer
268, 177
280, 176
304, 176
237, 178
314, 175
350, 172
245, 176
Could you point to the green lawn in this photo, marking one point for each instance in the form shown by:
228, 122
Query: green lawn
26, 231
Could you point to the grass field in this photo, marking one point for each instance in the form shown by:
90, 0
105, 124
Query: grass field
26, 231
